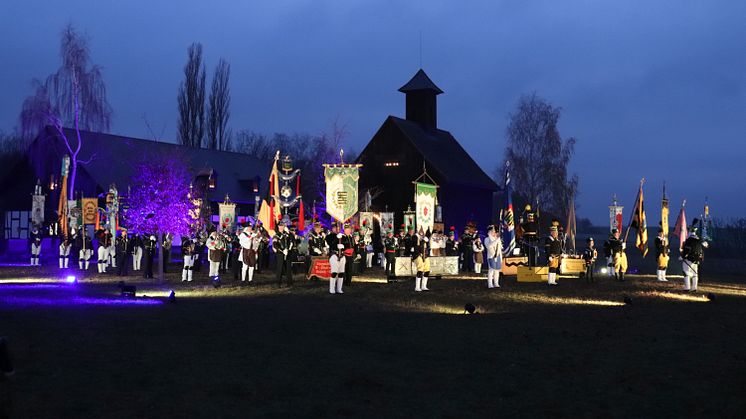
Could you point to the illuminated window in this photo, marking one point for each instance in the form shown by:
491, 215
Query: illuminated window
391, 164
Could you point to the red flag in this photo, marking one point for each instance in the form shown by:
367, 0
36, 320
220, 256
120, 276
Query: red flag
680, 229
301, 217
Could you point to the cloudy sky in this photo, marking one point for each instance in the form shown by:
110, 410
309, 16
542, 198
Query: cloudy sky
653, 89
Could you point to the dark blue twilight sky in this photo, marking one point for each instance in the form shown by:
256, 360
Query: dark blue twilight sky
649, 88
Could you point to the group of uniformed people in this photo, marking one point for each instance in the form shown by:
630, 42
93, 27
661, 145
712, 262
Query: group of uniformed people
247, 250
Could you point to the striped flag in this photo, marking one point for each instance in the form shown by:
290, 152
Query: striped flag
640, 224
680, 228
508, 216
269, 212
572, 226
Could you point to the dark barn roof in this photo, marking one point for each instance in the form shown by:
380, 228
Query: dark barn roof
114, 158
444, 154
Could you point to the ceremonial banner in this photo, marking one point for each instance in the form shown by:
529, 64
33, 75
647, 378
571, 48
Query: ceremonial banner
706, 235
508, 217
664, 216
366, 223
615, 216
341, 190
408, 220
426, 197
37, 209
269, 212
227, 216
680, 229
90, 206
387, 222
640, 224
74, 214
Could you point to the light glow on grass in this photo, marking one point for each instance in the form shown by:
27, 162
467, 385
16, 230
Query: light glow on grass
693, 298
551, 300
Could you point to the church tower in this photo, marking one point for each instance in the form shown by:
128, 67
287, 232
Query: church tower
421, 100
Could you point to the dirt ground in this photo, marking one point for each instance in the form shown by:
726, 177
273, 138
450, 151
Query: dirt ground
379, 350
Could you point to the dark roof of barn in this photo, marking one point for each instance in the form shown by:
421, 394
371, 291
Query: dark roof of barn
420, 81
443, 153
114, 158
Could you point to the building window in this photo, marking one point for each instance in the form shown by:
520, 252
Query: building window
391, 164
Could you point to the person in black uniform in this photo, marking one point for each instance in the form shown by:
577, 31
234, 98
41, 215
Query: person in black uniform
150, 248
349, 252
34, 239
692, 255
529, 234
282, 244
590, 254
452, 246
401, 247
236, 250
661, 255
316, 242
553, 248
336, 260
390, 246
409, 242
614, 249
122, 247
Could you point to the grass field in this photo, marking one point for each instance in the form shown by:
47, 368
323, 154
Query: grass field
380, 350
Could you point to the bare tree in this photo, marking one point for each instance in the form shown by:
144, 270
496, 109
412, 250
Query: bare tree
539, 156
191, 99
75, 94
218, 134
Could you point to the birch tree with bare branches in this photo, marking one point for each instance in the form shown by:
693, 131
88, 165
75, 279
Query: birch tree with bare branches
539, 156
74, 95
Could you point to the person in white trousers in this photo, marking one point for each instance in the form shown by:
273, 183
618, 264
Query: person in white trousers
493, 244
249, 241
692, 254
137, 246
35, 241
187, 254
65, 246
478, 249
85, 244
337, 259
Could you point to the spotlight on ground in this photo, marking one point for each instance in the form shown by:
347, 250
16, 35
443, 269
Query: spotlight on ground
6, 367
469, 308
172, 297
628, 300
127, 290
604, 270
71, 279
710, 296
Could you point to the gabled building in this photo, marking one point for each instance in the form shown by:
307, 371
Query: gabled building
113, 159
395, 155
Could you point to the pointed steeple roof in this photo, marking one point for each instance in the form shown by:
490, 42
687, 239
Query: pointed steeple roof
420, 81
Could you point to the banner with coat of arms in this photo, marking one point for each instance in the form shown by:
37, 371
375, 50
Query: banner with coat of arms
426, 197
341, 190
90, 206
227, 215
387, 222
37, 209
366, 223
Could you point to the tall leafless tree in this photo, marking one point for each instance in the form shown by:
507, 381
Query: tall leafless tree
539, 156
218, 134
74, 95
191, 99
